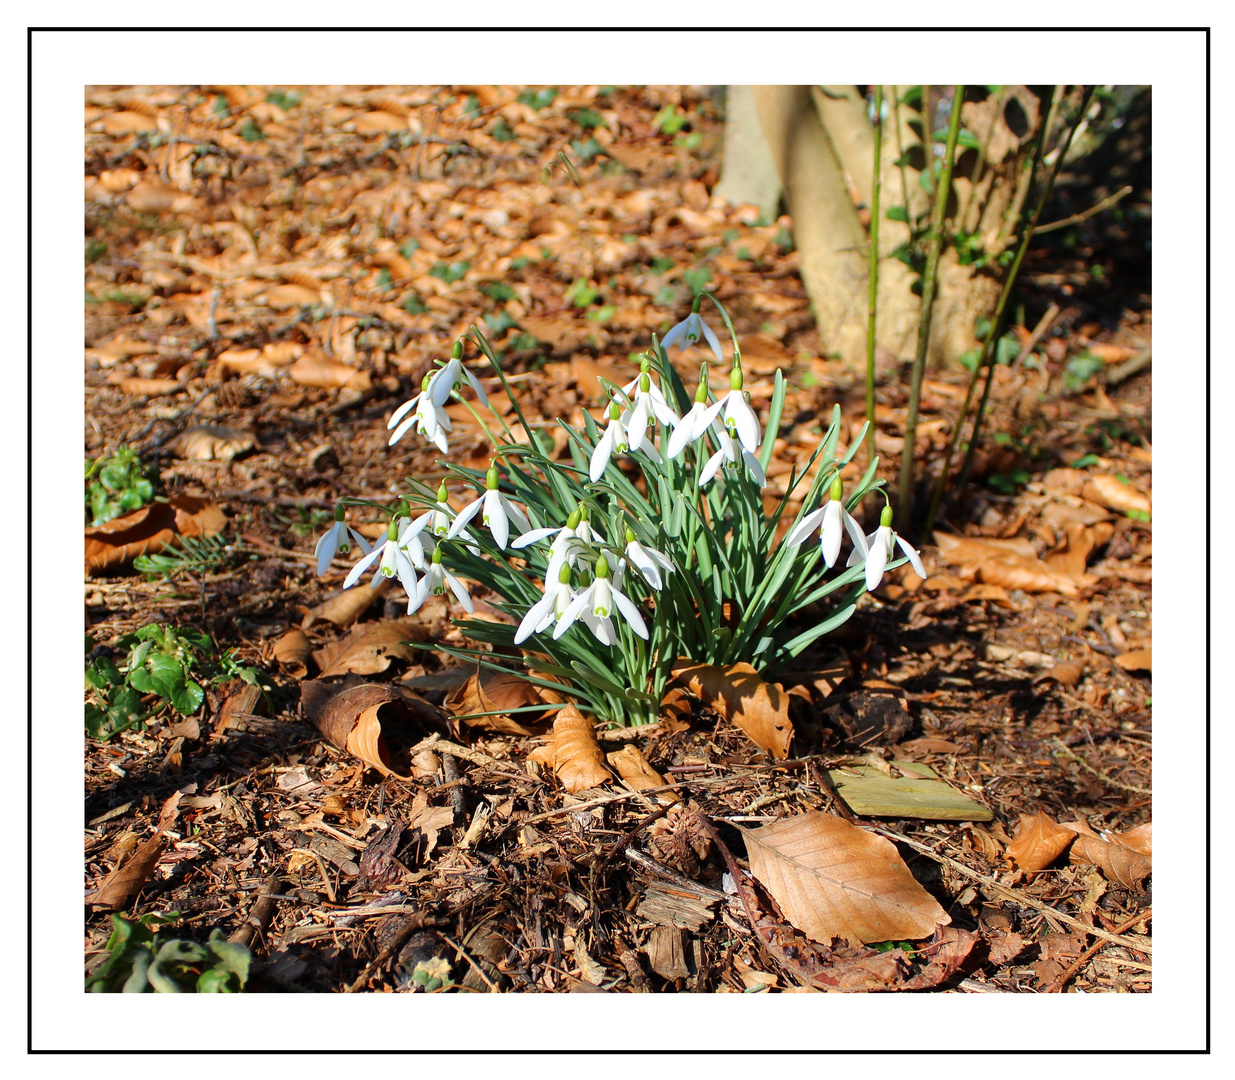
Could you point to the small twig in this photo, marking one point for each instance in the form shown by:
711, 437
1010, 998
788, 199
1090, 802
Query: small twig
1076, 965
1108, 780
260, 914
1128, 368
475, 966
450, 772
1044, 324
661, 870
1013, 894
1063, 223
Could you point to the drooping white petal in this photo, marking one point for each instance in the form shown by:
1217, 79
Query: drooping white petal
741, 416
474, 382
831, 533
712, 466
674, 335
577, 606
915, 560
601, 627
533, 536
713, 341
495, 518
756, 470
630, 613
877, 557
602, 453
363, 565
464, 516
402, 411
539, 615
406, 572
860, 540
443, 382
327, 546
805, 527
403, 429
460, 591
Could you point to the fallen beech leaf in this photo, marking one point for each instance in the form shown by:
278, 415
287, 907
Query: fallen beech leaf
946, 954
351, 721
1038, 842
1002, 563
289, 296
760, 709
148, 530
832, 879
1119, 862
577, 757
210, 442
1005, 947
1082, 541
378, 122
638, 773
495, 692
676, 709
347, 606
149, 387
128, 122
1139, 839
1110, 491
126, 881
369, 649
327, 374
1066, 674
1136, 660
1060, 514
292, 650
152, 197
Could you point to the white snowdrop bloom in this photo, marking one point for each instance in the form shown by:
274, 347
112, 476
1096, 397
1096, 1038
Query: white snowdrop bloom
394, 560
334, 540
688, 332
881, 544
550, 607
448, 378
739, 418
731, 454
498, 513
429, 419
613, 441
648, 561
647, 401
434, 583
832, 520
596, 604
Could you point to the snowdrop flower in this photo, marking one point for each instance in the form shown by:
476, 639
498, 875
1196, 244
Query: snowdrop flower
550, 607
335, 539
429, 418
834, 519
731, 453
694, 425
882, 542
499, 512
447, 379
394, 560
595, 605
614, 440
648, 401
434, 583
740, 419
648, 561
690, 329
575, 535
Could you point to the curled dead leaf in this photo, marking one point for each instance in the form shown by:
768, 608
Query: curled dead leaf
292, 650
832, 879
760, 709
210, 442
149, 530
369, 649
495, 693
326, 374
351, 721
289, 296
344, 608
152, 197
126, 881
1112, 492
1038, 842
149, 387
1136, 660
1066, 674
1004, 564
1119, 861
638, 773
577, 757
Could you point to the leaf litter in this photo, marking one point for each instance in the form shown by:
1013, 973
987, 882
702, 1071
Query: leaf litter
297, 339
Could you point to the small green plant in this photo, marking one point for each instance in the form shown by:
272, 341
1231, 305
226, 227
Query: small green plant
413, 305
432, 975
670, 120
538, 99
95, 250
116, 484
497, 291
196, 555
588, 119
250, 132
502, 132
284, 99
138, 963
1081, 368
451, 272
118, 708
161, 661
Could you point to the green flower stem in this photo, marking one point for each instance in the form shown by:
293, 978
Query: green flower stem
930, 282
874, 276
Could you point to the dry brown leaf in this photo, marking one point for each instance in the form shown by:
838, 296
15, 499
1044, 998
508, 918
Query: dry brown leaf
327, 374
1136, 660
760, 709
153, 197
832, 879
1082, 541
1066, 674
292, 650
351, 721
148, 530
1139, 839
1060, 514
638, 773
149, 387
945, 957
126, 881
378, 122
496, 692
290, 296
344, 608
1120, 862
241, 703
370, 648
577, 757
1110, 491
1038, 842
999, 563
210, 442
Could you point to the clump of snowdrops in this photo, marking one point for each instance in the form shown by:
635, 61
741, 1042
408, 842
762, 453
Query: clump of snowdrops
650, 548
